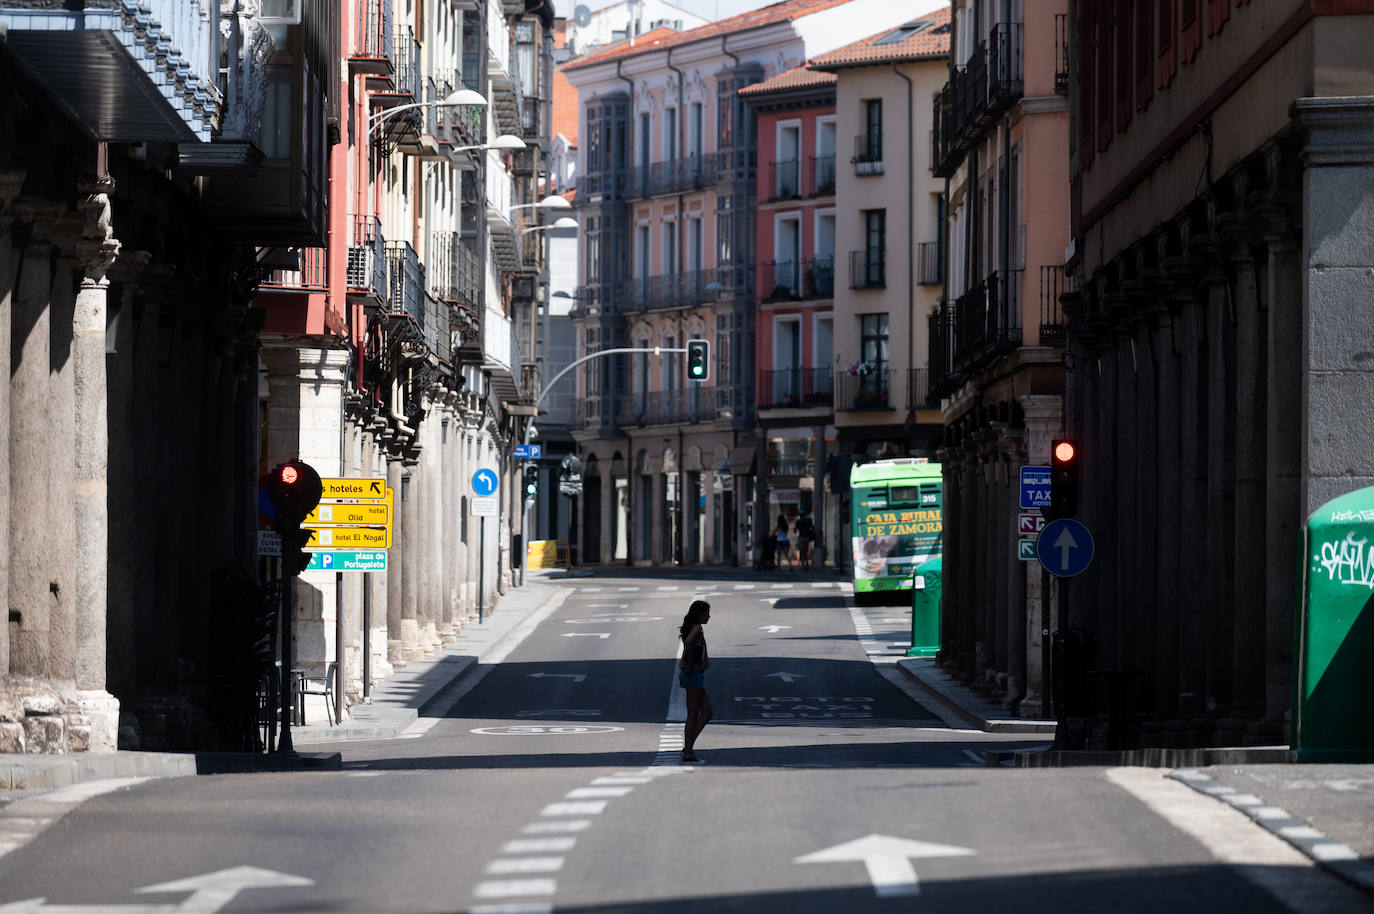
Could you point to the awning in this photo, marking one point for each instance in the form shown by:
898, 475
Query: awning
742, 461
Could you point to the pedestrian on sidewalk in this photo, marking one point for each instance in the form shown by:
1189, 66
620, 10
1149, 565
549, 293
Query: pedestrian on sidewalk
692, 676
806, 532
783, 545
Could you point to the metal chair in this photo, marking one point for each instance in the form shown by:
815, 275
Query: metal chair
307, 685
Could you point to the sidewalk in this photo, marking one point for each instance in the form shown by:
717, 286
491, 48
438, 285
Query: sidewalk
396, 704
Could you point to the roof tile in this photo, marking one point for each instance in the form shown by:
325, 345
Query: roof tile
932, 41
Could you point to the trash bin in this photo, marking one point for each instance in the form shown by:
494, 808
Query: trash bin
1335, 633
925, 610
1070, 659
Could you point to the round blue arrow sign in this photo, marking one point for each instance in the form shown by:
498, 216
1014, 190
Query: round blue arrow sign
484, 482
1064, 547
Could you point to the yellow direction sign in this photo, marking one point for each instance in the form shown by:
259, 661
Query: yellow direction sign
351, 512
353, 488
362, 538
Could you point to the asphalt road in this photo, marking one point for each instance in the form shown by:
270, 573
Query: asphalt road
552, 783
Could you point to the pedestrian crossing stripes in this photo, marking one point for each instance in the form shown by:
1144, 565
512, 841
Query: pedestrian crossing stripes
18, 829
765, 587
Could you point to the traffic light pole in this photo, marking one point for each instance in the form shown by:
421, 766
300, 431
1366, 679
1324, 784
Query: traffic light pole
656, 350
288, 609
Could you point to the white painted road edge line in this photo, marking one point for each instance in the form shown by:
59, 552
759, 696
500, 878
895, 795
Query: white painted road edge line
677, 696
1333, 855
493, 655
1230, 837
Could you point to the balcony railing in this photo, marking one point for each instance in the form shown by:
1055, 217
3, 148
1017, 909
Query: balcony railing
796, 388
596, 412
791, 280
868, 153
312, 271
940, 327
918, 388
784, 179
944, 157
868, 269
407, 60
1004, 66
930, 263
406, 290
373, 36
1061, 54
675, 290
367, 258
691, 172
595, 299
988, 317
870, 389
1053, 283
822, 175
696, 403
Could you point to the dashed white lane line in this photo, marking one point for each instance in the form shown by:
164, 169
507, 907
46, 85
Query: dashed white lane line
511, 866
516, 907
612, 781
588, 793
575, 808
670, 587
509, 888
538, 845
744, 586
556, 827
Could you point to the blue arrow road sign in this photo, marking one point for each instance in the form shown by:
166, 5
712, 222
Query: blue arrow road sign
1064, 547
484, 482
1035, 487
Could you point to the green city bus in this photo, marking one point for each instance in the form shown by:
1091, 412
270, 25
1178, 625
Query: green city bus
896, 520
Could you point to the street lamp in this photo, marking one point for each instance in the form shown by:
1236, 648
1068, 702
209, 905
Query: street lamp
563, 223
461, 97
504, 141
551, 202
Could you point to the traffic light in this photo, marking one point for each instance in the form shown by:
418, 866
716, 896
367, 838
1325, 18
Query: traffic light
698, 360
294, 489
531, 481
1063, 478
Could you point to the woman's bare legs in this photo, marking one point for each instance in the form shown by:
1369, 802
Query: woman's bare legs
698, 716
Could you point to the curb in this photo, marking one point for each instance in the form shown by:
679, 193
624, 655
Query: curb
996, 725
1331, 855
1143, 758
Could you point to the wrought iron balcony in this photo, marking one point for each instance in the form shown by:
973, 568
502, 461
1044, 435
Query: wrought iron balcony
407, 79
940, 327
1005, 65
1053, 283
784, 179
589, 301
687, 405
868, 389
930, 263
868, 269
687, 173
797, 388
373, 38
918, 389
406, 289
868, 153
597, 413
367, 260
944, 155
1061, 54
988, 318
675, 290
822, 175
793, 280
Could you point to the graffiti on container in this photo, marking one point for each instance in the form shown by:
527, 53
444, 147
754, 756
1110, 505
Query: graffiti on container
1349, 517
1348, 561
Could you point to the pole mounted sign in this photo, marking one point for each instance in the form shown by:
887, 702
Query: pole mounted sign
1065, 547
484, 482
529, 451
1035, 487
353, 488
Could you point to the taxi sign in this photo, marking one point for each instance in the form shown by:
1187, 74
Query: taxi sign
365, 487
351, 512
364, 538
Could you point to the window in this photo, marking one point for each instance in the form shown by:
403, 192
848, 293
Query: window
873, 130
873, 351
875, 246
645, 154
696, 130
669, 248
694, 243
642, 252
669, 135
786, 171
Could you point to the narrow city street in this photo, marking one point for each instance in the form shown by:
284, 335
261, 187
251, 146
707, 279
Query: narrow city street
551, 780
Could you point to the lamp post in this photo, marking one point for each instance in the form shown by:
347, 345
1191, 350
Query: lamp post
461, 97
504, 141
562, 223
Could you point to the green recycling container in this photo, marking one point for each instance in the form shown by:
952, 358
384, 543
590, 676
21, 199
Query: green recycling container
925, 610
1334, 637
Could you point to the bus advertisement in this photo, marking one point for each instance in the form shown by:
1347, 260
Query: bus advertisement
896, 521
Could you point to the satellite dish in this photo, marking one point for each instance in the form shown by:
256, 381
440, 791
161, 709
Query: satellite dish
582, 15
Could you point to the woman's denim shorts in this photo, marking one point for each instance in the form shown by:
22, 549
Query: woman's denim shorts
695, 680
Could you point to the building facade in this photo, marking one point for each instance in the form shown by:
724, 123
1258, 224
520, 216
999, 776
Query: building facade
1219, 172
666, 198
264, 238
1000, 139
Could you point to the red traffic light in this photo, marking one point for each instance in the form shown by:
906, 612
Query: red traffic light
289, 474
1063, 451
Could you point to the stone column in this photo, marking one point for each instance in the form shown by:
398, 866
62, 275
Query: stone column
1126, 552
1192, 542
1163, 677
970, 488
1106, 610
1144, 517
410, 561
1283, 474
1044, 417
1337, 378
11, 181
60, 480
1014, 589
1250, 408
394, 574
31, 444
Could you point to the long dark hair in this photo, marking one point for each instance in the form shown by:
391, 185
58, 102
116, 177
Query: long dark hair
698, 609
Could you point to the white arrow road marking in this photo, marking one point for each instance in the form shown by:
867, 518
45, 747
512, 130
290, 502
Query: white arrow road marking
602, 635
773, 629
786, 677
769, 600
209, 893
575, 677
887, 859
1065, 543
